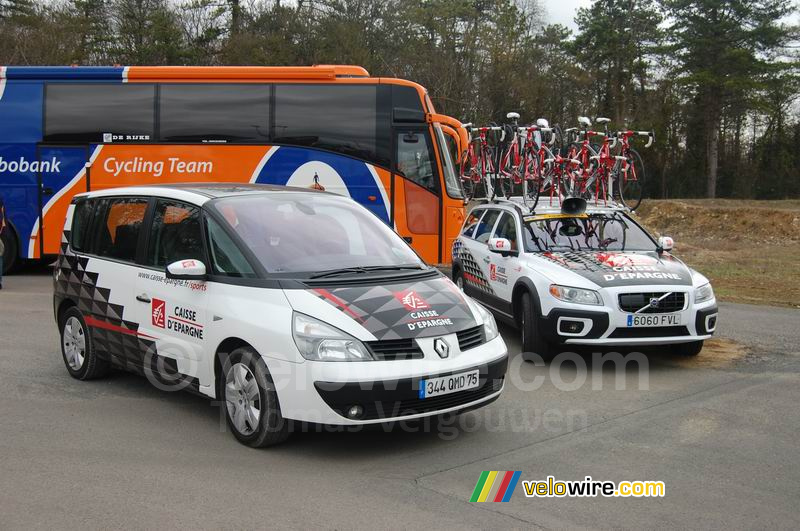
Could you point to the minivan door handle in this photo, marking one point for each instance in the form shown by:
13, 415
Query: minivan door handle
143, 298
485, 259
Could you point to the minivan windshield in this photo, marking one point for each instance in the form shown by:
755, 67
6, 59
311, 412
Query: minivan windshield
312, 233
596, 232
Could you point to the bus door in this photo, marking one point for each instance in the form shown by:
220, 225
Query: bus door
416, 198
58, 166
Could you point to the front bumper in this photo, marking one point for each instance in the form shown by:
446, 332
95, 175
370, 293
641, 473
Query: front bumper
607, 325
387, 391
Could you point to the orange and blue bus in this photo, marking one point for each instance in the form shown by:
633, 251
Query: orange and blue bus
65, 130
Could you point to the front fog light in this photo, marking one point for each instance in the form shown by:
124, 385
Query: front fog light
355, 412
489, 324
320, 341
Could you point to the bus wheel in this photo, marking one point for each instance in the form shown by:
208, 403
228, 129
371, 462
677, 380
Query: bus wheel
11, 252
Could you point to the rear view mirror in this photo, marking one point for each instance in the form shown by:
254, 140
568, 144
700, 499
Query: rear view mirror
665, 243
499, 245
187, 270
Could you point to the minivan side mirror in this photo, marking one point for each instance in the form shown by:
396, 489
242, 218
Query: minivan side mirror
187, 270
665, 243
500, 245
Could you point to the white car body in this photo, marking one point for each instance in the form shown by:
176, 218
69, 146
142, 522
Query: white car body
134, 311
497, 279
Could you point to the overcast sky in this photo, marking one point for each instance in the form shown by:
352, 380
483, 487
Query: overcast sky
563, 11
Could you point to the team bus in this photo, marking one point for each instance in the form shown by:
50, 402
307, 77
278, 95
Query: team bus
65, 130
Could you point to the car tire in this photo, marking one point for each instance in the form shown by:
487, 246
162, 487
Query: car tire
532, 340
688, 349
251, 404
77, 348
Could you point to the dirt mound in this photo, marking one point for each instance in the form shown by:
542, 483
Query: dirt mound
755, 222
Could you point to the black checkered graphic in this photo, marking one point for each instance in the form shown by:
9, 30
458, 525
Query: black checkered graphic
473, 273
74, 282
379, 310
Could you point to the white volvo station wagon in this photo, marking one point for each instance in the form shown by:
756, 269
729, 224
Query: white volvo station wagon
282, 303
581, 276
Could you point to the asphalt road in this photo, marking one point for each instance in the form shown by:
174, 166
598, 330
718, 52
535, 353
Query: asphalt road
119, 453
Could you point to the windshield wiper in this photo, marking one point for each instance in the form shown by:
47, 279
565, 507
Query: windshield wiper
363, 269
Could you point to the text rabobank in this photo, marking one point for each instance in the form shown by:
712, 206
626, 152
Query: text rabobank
23, 165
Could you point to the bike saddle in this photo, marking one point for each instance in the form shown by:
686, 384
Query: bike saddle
542, 122
602, 120
584, 121
513, 116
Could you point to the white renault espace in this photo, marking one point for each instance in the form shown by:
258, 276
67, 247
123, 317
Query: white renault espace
285, 303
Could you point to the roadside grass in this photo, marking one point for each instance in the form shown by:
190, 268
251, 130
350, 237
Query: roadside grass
748, 249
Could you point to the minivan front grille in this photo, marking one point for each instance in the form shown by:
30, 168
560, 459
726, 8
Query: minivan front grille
470, 338
395, 349
668, 302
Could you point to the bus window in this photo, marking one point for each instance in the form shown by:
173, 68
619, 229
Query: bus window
339, 118
414, 159
90, 113
214, 113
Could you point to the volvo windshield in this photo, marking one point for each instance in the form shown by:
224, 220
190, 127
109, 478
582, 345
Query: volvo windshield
596, 232
317, 234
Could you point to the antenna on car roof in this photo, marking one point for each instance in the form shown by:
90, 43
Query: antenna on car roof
573, 206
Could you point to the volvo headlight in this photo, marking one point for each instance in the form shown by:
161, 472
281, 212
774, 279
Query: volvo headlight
703, 293
575, 295
489, 324
318, 341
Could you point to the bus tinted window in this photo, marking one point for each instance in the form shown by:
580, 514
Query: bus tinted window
90, 113
339, 118
203, 113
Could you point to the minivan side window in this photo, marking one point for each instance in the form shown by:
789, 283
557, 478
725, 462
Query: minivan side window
176, 234
486, 225
120, 227
81, 219
226, 258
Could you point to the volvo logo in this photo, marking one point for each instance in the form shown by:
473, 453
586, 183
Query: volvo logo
654, 302
441, 347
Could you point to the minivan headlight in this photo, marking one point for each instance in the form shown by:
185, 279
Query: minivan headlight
575, 295
318, 341
489, 324
703, 293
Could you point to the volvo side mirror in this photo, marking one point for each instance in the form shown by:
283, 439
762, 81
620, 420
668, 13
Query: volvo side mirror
665, 243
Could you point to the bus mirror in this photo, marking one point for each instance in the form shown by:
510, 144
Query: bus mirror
405, 115
411, 138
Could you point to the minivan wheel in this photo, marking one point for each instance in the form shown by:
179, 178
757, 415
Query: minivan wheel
251, 403
77, 348
532, 340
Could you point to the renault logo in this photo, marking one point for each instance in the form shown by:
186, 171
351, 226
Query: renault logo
441, 347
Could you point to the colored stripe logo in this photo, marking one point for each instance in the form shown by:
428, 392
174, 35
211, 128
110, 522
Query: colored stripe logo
494, 486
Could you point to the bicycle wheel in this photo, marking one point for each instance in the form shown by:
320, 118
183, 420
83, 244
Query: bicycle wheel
632, 186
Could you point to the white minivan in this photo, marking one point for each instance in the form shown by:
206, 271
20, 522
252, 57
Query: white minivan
287, 304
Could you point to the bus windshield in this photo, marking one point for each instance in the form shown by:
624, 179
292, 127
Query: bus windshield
302, 232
